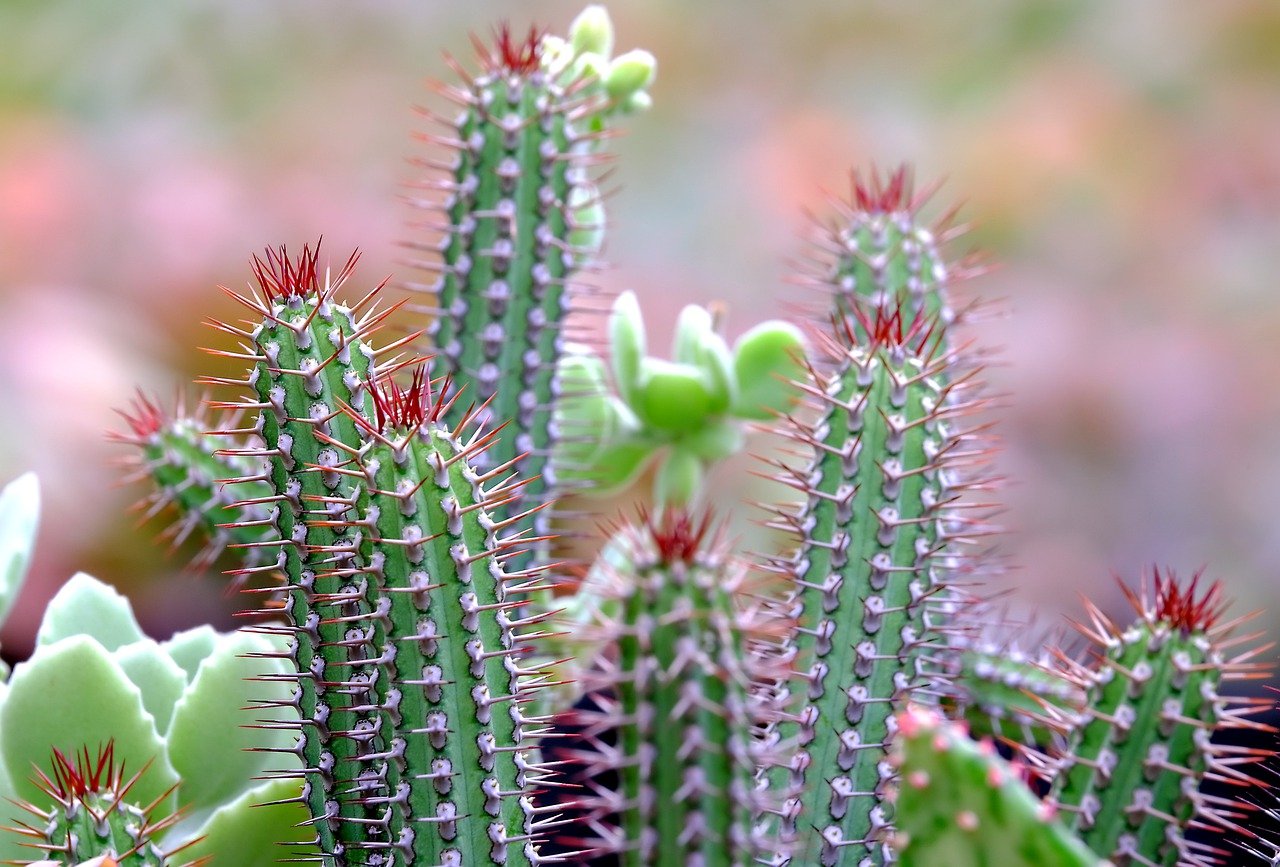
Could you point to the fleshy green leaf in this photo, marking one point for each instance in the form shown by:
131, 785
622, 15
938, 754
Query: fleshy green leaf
693, 326
616, 466
716, 441
247, 835
190, 647
19, 519
208, 743
86, 606
155, 673
630, 72
672, 397
766, 360
626, 344
70, 695
592, 31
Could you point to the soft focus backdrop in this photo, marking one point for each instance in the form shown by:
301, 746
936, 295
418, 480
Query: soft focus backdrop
1120, 161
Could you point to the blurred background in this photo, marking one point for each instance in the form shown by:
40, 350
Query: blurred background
1119, 161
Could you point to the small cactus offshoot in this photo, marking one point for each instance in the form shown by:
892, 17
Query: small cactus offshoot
93, 816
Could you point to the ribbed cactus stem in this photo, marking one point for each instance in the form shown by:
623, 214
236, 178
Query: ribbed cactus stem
961, 805
92, 816
219, 497
680, 703
876, 519
518, 198
310, 360
877, 255
1129, 779
455, 753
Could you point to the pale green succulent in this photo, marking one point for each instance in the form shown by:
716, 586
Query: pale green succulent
181, 705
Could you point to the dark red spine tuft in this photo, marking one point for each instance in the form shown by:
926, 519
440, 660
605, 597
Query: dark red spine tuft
83, 776
879, 194
677, 535
517, 56
144, 417
408, 408
1186, 606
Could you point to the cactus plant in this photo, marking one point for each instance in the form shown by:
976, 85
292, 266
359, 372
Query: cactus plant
1129, 779
405, 686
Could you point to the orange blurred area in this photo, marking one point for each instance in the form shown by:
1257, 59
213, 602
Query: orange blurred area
1121, 163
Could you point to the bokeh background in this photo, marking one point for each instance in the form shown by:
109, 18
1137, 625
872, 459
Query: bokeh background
1119, 161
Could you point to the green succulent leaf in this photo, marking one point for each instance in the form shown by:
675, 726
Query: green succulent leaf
208, 741
155, 673
766, 360
679, 478
86, 606
627, 344
592, 31
19, 519
630, 72
251, 830
190, 647
672, 397
72, 694
716, 441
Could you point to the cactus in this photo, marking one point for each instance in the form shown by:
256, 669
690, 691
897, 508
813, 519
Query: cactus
680, 699
93, 814
960, 804
1128, 781
521, 216
877, 513
221, 497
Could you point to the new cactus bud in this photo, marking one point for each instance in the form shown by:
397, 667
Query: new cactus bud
182, 462
449, 749
877, 534
521, 214
679, 702
92, 815
1128, 782
960, 804
310, 361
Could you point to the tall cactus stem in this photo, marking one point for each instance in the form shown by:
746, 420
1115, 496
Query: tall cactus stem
878, 531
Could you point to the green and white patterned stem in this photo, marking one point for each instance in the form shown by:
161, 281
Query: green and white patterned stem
1129, 779
680, 701
876, 520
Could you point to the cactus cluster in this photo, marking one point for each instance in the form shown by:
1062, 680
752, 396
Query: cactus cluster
395, 518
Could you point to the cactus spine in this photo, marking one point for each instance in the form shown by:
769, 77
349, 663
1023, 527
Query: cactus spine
220, 497
1129, 778
876, 516
681, 702
92, 816
518, 198
961, 805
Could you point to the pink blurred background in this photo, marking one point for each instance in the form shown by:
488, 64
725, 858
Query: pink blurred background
1120, 161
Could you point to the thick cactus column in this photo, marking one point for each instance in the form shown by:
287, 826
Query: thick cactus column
877, 518
520, 216
1128, 781
453, 749
220, 497
681, 703
93, 816
310, 361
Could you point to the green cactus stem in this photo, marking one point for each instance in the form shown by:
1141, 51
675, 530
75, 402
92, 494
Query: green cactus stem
452, 749
222, 498
960, 804
680, 703
879, 531
1129, 779
521, 215
876, 254
311, 360
91, 814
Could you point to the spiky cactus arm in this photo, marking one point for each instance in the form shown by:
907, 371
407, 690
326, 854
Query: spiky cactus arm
91, 814
961, 805
679, 702
877, 535
518, 200
217, 496
877, 254
310, 359
1129, 778
452, 749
